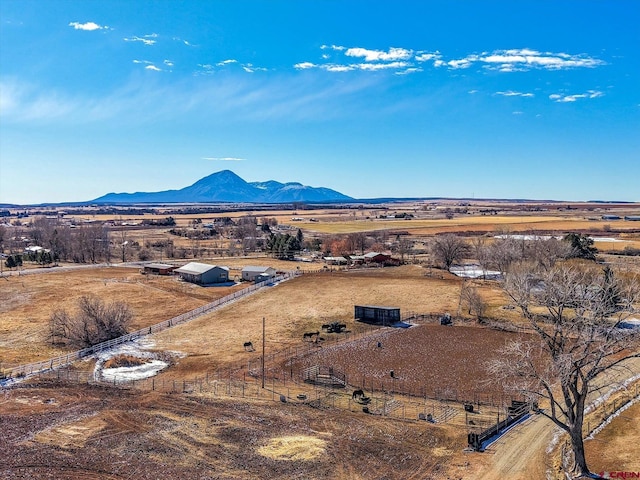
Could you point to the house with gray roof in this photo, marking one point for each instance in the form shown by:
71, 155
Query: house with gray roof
203, 274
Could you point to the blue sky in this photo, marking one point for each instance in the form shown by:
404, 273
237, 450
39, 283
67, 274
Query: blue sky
492, 99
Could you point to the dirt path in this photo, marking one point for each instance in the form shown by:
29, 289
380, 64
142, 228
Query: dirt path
520, 454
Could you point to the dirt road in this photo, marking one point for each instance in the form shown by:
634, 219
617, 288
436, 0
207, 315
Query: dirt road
522, 452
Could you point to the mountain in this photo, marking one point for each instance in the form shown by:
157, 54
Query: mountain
226, 186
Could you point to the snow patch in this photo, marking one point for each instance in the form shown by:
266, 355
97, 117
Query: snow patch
603, 398
610, 418
139, 372
138, 348
474, 271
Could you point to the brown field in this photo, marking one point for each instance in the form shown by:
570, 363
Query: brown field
87, 432
617, 446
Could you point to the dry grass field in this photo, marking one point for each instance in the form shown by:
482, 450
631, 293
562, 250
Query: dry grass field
617, 446
84, 432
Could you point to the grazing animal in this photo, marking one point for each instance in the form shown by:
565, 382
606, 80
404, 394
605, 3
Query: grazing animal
248, 346
357, 394
309, 335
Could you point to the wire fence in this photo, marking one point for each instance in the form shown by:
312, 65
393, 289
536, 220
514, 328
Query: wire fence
63, 360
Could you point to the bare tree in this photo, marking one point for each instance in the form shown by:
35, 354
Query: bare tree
470, 297
579, 338
93, 323
447, 249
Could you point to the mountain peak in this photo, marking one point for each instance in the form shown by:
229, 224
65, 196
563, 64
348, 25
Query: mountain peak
226, 186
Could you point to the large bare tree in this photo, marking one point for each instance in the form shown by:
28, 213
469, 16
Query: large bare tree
448, 249
576, 312
93, 323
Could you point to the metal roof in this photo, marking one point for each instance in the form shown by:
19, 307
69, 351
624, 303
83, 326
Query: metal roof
254, 269
160, 266
195, 268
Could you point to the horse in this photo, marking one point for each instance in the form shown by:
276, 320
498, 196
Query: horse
248, 346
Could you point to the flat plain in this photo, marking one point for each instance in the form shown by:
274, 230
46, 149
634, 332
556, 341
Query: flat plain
93, 430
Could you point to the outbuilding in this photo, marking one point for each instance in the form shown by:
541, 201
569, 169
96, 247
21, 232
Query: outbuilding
203, 274
253, 273
158, 269
378, 315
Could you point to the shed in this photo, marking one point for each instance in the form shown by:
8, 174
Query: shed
251, 273
203, 274
380, 315
376, 257
335, 260
158, 269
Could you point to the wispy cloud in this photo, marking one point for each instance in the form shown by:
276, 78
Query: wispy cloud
427, 56
88, 26
250, 68
333, 47
226, 62
304, 65
393, 54
337, 58
224, 159
524, 59
151, 65
562, 98
511, 93
145, 39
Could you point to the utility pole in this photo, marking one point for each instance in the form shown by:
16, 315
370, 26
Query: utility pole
263, 341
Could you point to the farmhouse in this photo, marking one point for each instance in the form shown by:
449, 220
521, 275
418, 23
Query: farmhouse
158, 269
203, 274
380, 315
375, 257
258, 274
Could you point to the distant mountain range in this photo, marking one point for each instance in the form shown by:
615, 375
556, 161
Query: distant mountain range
226, 186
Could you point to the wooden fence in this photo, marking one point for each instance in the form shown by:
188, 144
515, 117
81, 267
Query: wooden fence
57, 362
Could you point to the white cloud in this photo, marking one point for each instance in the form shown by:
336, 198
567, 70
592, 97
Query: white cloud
561, 98
426, 56
333, 47
338, 68
304, 65
146, 39
409, 70
472, 91
226, 62
378, 55
381, 66
224, 159
88, 26
511, 93
168, 63
516, 113
513, 60
153, 68
250, 68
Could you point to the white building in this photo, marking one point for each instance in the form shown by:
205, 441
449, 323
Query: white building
252, 273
